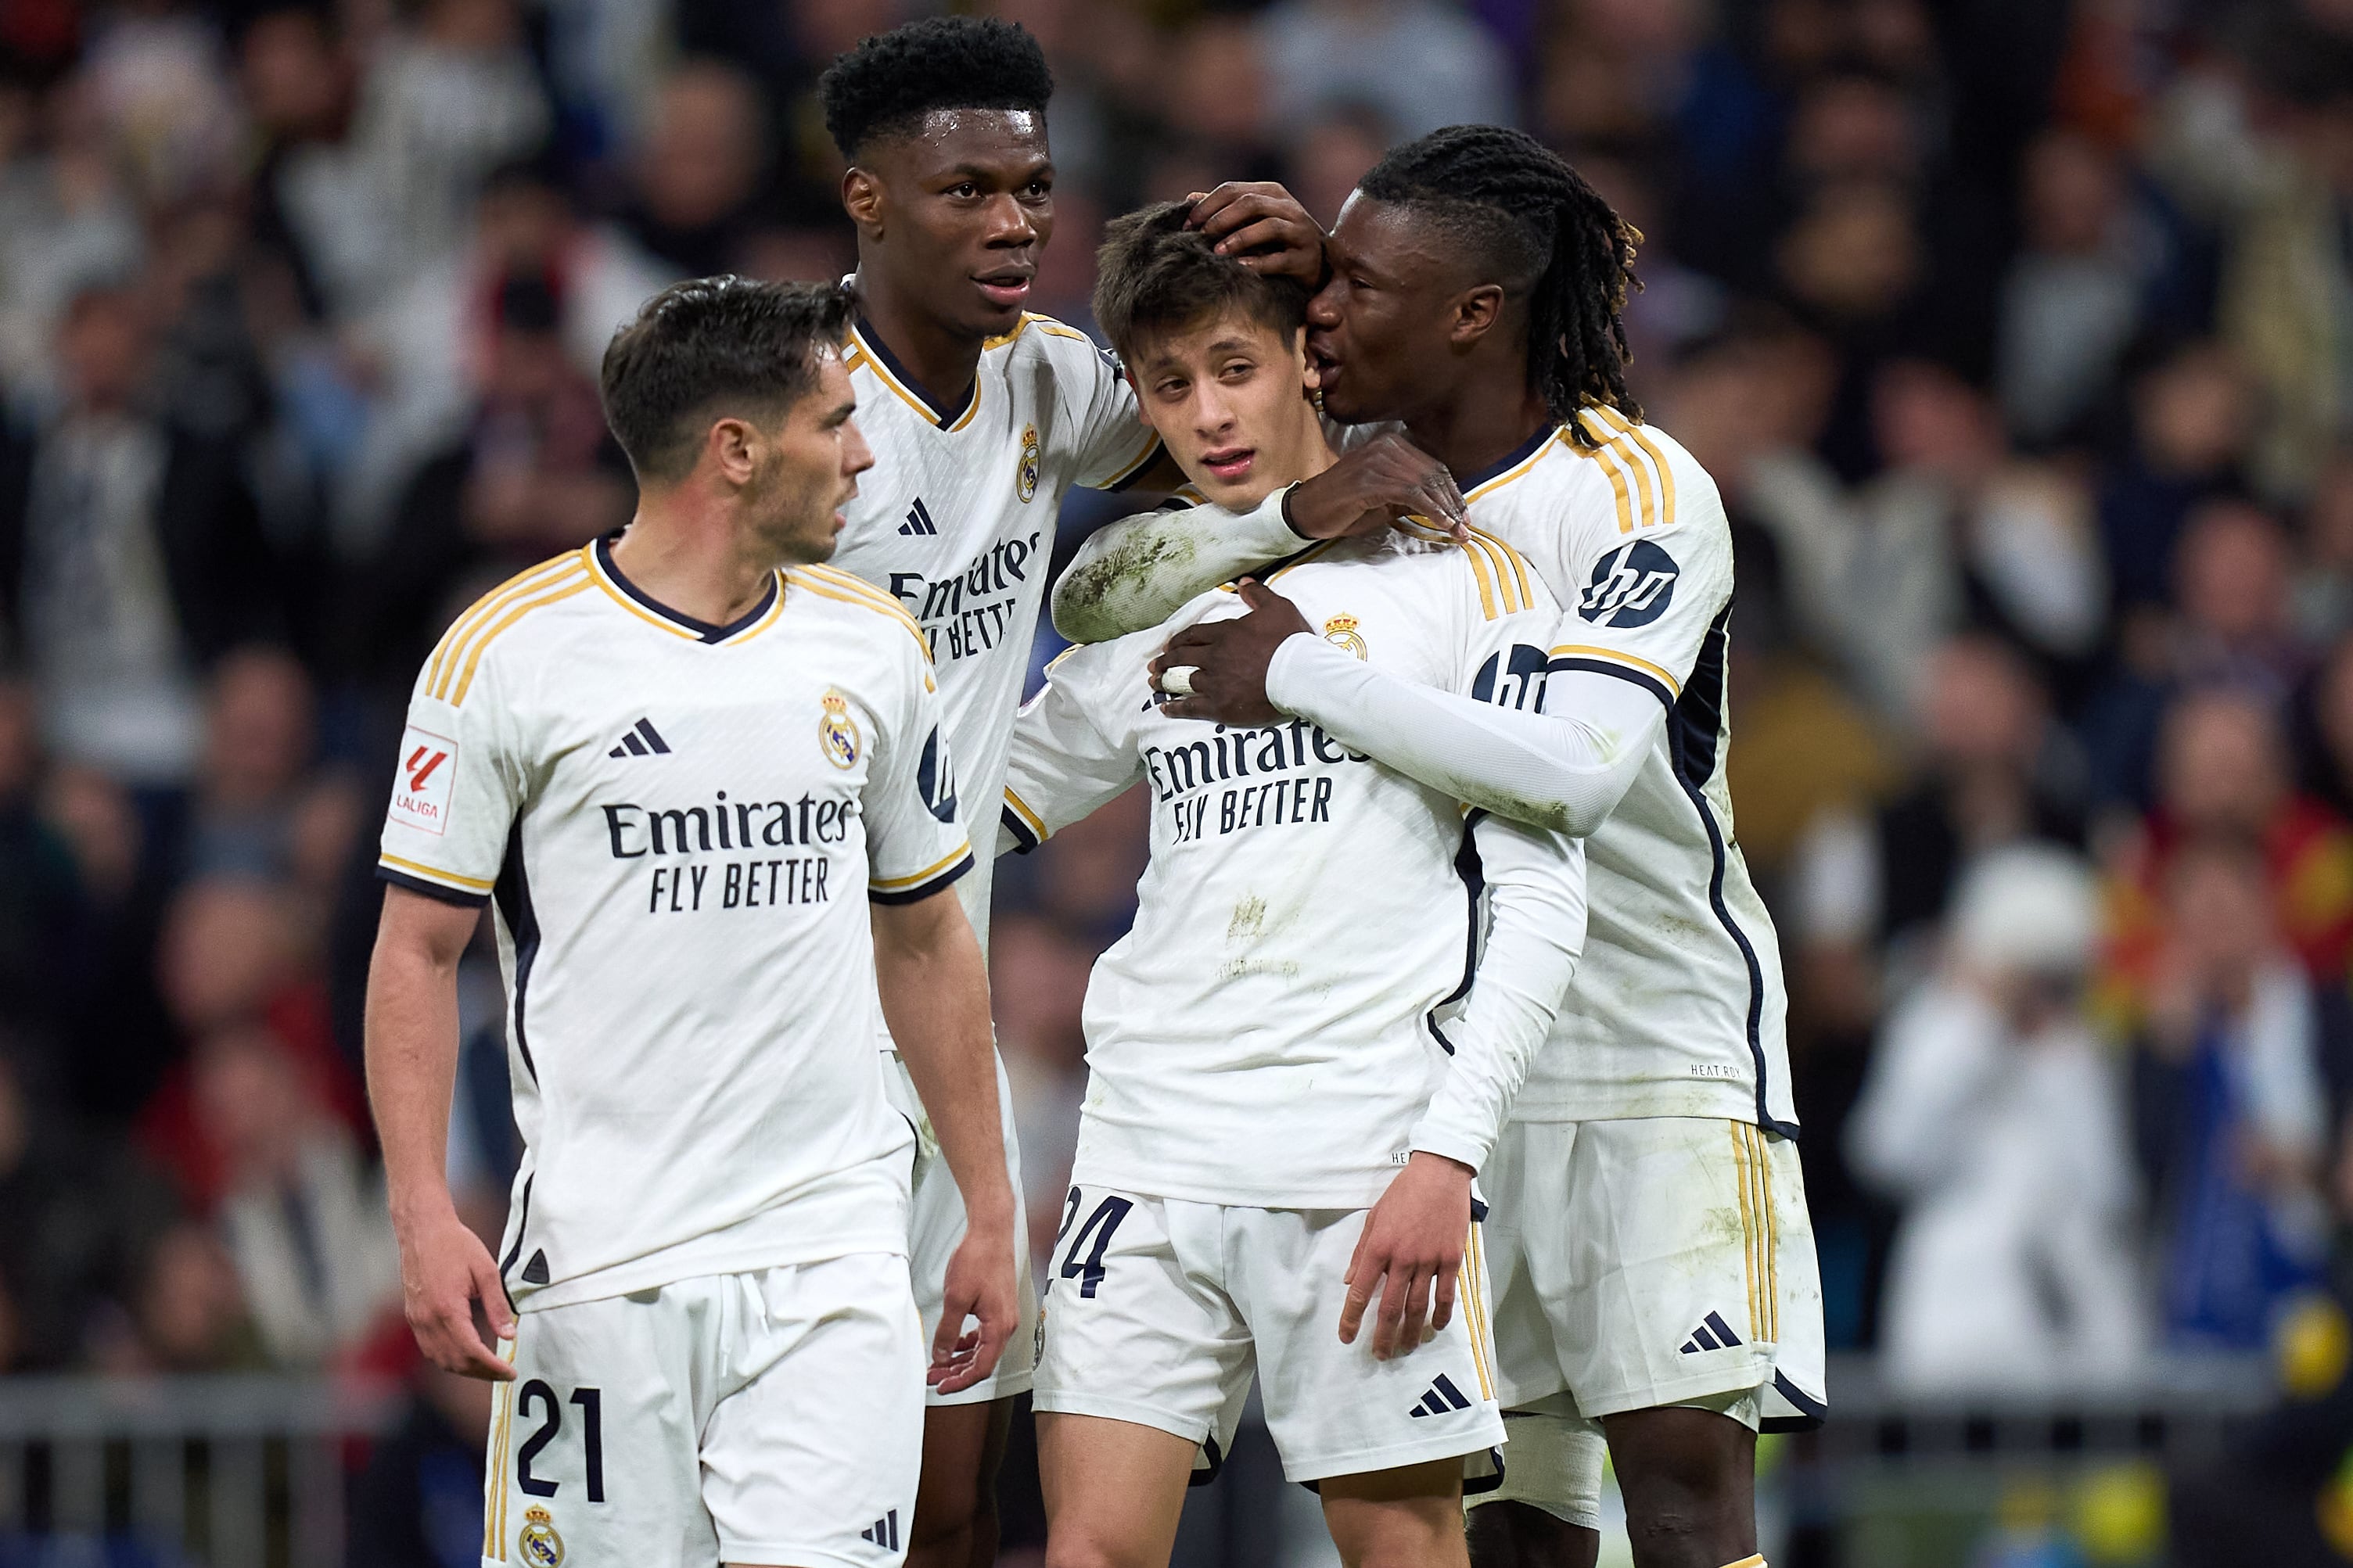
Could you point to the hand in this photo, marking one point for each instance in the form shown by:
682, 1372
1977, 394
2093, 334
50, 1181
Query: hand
1261, 225
1372, 487
979, 1284
1229, 659
444, 1270
1414, 1238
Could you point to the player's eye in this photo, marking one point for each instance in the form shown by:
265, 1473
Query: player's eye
1238, 370
1168, 389
964, 189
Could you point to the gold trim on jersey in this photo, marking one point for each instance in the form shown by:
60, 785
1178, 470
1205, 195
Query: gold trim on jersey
1622, 443
1659, 460
898, 884
1152, 446
442, 666
558, 589
435, 873
1759, 1229
833, 582
859, 353
1584, 650
1029, 818
494, 1510
1517, 469
1301, 559
1474, 1268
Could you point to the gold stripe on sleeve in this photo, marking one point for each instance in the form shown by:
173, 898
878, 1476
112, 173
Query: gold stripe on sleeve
499, 629
479, 613
894, 884
1658, 458
1585, 650
435, 873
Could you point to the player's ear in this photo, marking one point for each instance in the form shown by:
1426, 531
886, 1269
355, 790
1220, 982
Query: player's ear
1476, 312
862, 198
732, 449
1310, 380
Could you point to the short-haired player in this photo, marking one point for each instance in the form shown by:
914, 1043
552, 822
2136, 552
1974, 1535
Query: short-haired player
1303, 1052
700, 777
983, 416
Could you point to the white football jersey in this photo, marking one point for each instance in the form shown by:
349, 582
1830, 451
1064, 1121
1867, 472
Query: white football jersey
955, 519
1678, 1007
679, 827
1274, 1024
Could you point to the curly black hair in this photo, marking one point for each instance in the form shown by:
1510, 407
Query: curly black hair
711, 346
890, 81
1515, 205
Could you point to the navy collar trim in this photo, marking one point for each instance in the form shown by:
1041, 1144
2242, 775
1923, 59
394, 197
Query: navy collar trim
703, 629
1520, 454
871, 341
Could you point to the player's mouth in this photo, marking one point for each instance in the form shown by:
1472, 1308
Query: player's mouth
1231, 464
1008, 288
1326, 362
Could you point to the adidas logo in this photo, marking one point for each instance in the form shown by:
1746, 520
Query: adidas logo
883, 1532
919, 520
1442, 1398
639, 740
1713, 1334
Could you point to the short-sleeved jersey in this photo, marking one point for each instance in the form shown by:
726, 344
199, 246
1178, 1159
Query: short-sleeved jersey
955, 519
1678, 1005
1273, 1025
680, 826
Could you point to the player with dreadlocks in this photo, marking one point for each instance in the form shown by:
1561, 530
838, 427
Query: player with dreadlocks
1649, 1251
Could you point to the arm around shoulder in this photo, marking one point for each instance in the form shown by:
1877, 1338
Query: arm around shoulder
1139, 571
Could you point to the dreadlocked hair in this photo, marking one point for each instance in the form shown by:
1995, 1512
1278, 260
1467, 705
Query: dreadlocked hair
1512, 204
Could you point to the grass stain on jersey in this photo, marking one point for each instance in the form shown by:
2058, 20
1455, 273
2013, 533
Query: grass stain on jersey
1087, 603
1250, 919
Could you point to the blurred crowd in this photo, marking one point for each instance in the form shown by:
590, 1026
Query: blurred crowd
2019, 336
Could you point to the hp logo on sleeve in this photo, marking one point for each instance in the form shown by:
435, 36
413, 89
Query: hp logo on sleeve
1633, 586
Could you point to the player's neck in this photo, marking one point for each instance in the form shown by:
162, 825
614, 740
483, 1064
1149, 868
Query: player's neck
943, 362
1487, 419
684, 552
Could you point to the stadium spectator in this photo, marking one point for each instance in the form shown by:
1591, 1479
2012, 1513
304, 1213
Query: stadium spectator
2230, 1110
131, 555
1422, 64
697, 173
2073, 299
1994, 1114
2192, 419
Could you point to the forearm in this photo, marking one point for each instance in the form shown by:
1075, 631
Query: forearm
1139, 571
1536, 882
1565, 768
934, 993
412, 1064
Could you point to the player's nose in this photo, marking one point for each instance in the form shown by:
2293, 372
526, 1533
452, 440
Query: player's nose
1009, 223
857, 457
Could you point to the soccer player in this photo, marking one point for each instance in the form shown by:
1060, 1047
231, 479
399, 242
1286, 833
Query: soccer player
983, 416
673, 762
1654, 1262
1285, 1108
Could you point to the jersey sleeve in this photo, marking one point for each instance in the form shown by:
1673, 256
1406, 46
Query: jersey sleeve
1067, 757
915, 844
457, 787
1648, 561
1111, 441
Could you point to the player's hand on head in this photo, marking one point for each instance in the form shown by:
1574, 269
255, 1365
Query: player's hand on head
979, 1284
1262, 225
1384, 481
1409, 1254
445, 1270
1217, 669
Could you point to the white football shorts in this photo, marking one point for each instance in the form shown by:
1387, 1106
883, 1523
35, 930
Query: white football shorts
1157, 1312
1654, 1261
936, 1227
773, 1416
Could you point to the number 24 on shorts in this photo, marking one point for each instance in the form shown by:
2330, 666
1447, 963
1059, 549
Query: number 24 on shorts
1100, 1224
591, 1402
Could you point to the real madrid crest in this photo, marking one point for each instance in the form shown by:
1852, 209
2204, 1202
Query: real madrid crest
836, 731
1025, 479
1340, 631
536, 1543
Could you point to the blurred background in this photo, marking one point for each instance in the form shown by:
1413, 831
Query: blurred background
2018, 333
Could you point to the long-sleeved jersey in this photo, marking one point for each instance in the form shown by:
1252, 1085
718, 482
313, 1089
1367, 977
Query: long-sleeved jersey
1303, 999
1678, 1007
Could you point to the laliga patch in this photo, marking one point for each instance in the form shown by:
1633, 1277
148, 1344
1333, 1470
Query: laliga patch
421, 795
1632, 586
